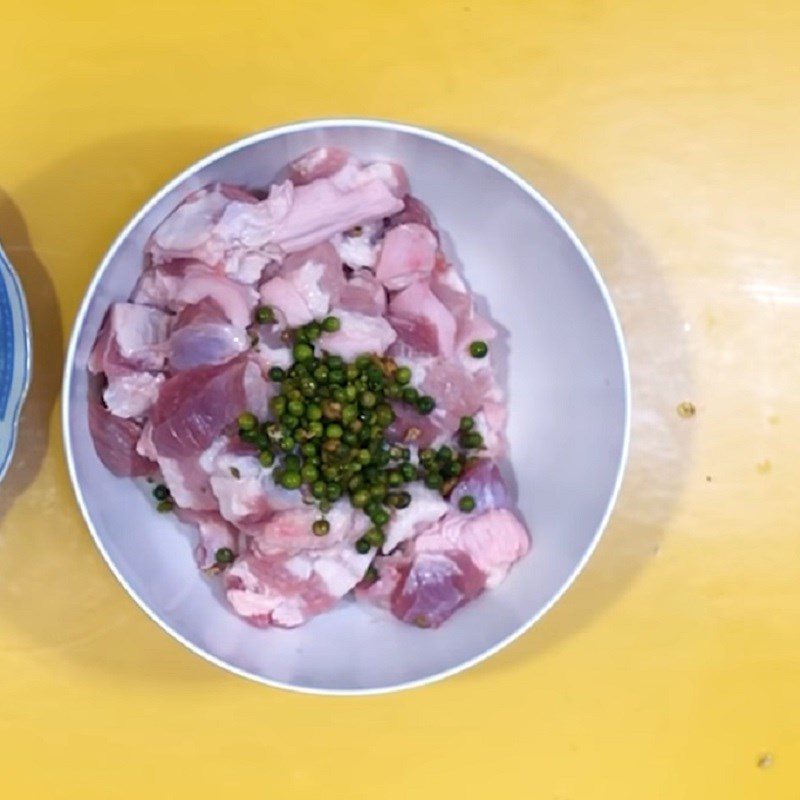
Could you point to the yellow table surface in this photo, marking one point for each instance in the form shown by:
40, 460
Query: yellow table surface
668, 134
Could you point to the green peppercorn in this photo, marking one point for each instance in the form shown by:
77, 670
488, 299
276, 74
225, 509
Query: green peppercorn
302, 352
292, 462
161, 492
368, 399
403, 500
318, 489
374, 536
362, 546
384, 415
276, 374
164, 506
247, 421
291, 479
426, 404
466, 424
363, 361
471, 441
478, 349
287, 444
410, 472
333, 492
371, 575
265, 458
224, 556
312, 331
315, 429
402, 375
410, 394
290, 421
380, 516
296, 407
467, 503
359, 498
309, 473
395, 477
331, 324
320, 527
277, 405
334, 431
433, 480
265, 315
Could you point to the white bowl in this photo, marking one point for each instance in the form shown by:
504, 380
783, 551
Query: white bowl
567, 379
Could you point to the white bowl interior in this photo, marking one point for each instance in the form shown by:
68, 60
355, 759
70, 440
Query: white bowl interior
565, 370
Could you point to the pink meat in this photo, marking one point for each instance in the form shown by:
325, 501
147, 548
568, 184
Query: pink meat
433, 586
357, 334
192, 233
408, 255
130, 339
363, 294
236, 301
321, 162
452, 293
284, 297
286, 590
132, 394
493, 540
490, 422
215, 534
246, 235
206, 343
115, 441
458, 391
414, 211
317, 276
194, 407
248, 501
321, 209
188, 482
352, 175
484, 483
413, 428
391, 570
290, 530
427, 507
422, 321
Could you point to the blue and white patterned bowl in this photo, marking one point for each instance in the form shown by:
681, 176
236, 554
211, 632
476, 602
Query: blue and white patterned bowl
15, 358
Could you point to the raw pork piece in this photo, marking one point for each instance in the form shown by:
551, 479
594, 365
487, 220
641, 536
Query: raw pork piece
357, 334
308, 284
131, 339
195, 406
215, 533
414, 211
433, 586
484, 483
408, 255
245, 235
132, 395
427, 507
115, 441
493, 540
203, 335
422, 321
363, 294
322, 162
286, 590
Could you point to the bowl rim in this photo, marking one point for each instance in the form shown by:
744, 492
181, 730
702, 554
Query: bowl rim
21, 359
265, 135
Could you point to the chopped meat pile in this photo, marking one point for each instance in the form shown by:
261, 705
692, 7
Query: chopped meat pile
303, 377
